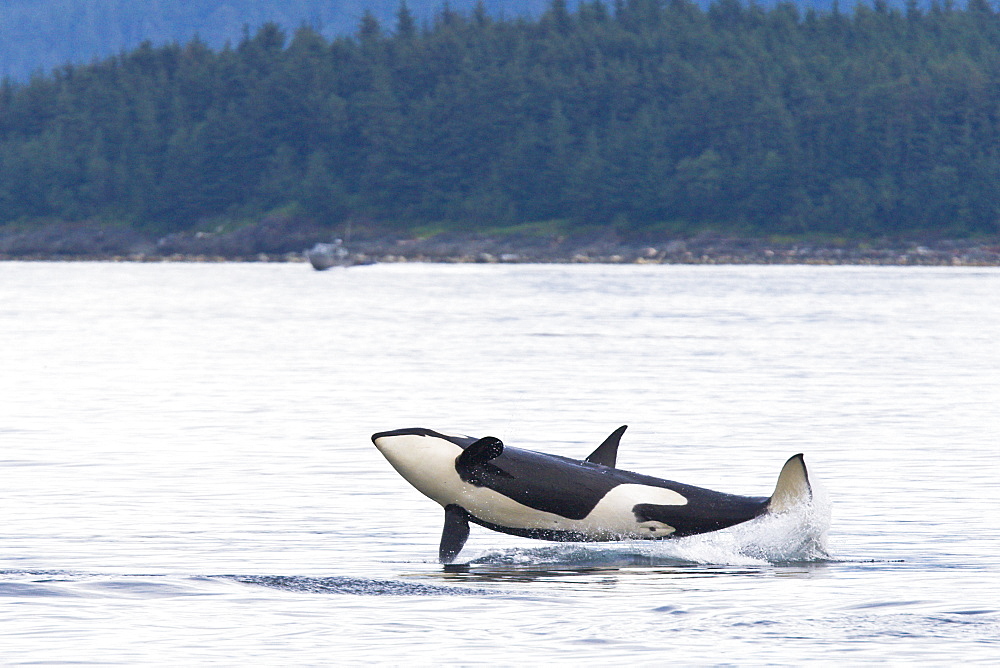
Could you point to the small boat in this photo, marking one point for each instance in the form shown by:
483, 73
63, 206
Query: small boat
323, 256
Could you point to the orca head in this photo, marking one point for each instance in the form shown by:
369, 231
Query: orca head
425, 458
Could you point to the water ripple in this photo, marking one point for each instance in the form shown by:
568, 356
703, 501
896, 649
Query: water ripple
353, 585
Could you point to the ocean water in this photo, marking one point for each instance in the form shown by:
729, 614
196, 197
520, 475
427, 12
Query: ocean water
187, 476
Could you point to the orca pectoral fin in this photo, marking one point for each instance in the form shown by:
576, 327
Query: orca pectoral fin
481, 452
455, 533
606, 453
474, 460
793, 486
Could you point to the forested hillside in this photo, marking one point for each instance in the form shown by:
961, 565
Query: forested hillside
645, 117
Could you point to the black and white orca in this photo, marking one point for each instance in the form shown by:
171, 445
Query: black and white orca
538, 495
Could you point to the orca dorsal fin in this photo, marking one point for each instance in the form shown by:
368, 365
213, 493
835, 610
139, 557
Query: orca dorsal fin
793, 486
606, 453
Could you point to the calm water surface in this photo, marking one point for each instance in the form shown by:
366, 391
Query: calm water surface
187, 475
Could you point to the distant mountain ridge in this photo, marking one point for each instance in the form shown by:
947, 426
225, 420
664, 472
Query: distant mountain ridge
39, 35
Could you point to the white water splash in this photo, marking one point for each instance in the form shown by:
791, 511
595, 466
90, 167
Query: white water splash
796, 536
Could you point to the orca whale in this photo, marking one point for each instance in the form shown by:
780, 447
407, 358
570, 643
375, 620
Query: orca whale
537, 495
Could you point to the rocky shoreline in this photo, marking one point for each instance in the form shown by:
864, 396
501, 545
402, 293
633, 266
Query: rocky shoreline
279, 240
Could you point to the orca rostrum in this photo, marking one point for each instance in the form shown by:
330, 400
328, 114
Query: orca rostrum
538, 495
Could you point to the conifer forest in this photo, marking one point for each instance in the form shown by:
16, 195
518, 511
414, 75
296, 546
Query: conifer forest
645, 116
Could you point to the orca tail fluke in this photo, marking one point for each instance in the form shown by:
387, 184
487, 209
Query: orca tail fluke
793, 488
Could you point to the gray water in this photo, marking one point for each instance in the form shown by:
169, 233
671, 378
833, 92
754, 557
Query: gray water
187, 475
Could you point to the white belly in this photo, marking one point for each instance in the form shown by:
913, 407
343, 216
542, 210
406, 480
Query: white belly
611, 519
